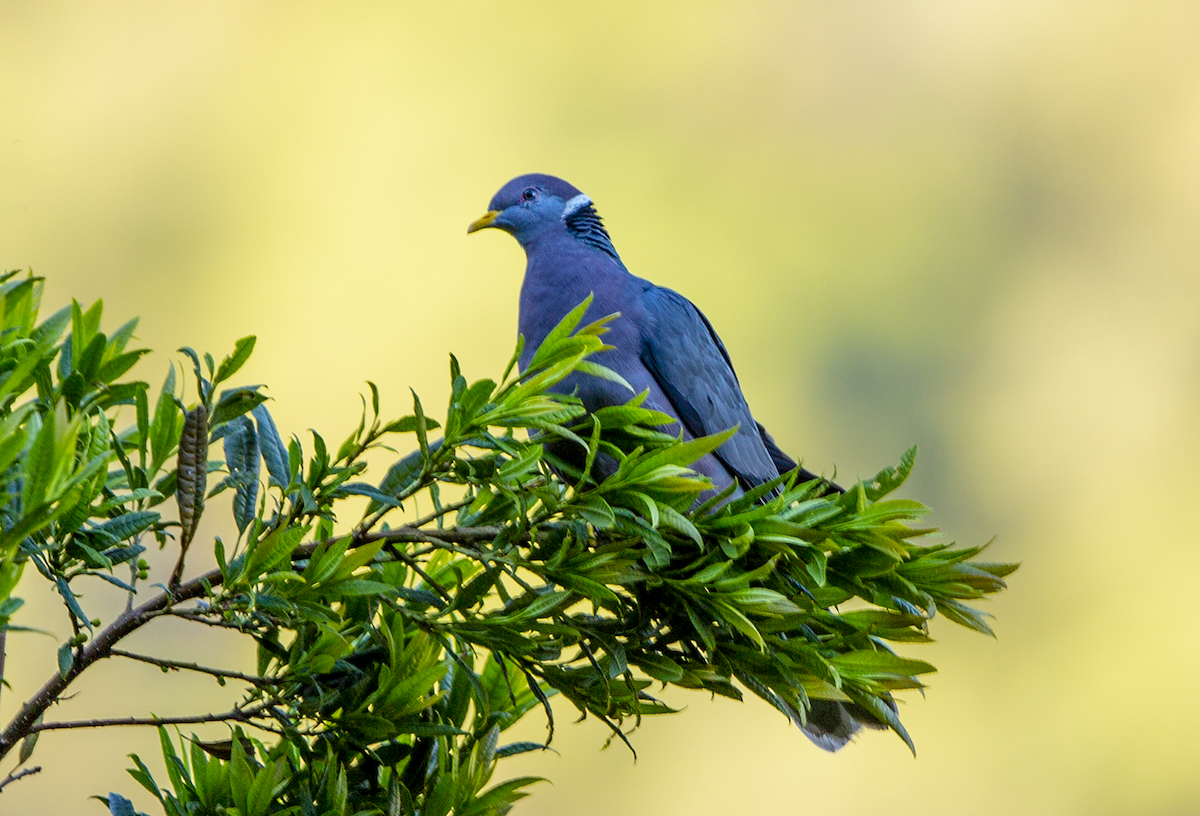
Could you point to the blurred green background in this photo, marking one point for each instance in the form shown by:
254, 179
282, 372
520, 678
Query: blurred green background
972, 226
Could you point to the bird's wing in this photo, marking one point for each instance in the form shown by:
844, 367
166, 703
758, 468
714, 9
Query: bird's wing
690, 364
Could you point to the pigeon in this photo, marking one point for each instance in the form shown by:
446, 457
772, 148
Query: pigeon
661, 344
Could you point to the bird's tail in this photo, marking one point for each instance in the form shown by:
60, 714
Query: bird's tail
830, 724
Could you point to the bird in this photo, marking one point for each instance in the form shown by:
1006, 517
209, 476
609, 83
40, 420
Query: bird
662, 344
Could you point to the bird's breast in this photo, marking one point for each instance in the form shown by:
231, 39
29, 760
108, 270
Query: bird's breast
554, 286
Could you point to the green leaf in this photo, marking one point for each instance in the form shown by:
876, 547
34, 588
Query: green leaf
43, 339
515, 748
709, 574
409, 424
878, 664
595, 510
734, 617
117, 582
91, 321
402, 475
89, 363
28, 744
40, 467
325, 560
541, 606
679, 522
66, 659
360, 557
764, 601
377, 496
682, 454
497, 799
891, 478
166, 425
136, 495
235, 402
273, 549
242, 459
475, 398
274, 452
597, 370
260, 794
658, 667
11, 444
127, 525
121, 337
120, 364
516, 357
441, 798
883, 512
357, 587
64, 590
242, 350
422, 425
560, 332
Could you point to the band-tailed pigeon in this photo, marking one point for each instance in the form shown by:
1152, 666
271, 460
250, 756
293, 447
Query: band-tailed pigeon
662, 343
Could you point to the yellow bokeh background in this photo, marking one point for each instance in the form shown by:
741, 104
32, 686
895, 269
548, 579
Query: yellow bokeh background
973, 226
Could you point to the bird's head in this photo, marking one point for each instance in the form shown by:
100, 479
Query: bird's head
535, 206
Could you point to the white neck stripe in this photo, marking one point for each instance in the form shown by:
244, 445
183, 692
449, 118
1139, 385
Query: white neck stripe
575, 205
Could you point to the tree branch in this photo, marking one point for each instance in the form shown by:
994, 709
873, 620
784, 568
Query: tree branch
3, 655
23, 724
242, 715
455, 535
15, 775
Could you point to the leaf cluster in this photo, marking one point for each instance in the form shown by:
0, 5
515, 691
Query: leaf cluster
560, 553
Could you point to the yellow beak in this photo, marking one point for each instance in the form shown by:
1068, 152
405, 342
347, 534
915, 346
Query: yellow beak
483, 222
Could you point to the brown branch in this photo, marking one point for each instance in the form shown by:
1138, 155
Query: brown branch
101, 647
455, 535
15, 775
23, 724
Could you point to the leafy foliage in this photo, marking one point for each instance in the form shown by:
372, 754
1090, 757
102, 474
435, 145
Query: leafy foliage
563, 553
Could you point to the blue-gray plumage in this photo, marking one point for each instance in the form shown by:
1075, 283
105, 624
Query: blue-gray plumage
661, 344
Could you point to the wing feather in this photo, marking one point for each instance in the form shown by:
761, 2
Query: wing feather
689, 362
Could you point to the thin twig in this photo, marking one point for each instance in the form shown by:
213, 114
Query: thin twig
177, 665
199, 617
177, 572
511, 571
446, 508
415, 567
15, 775
242, 715
438, 544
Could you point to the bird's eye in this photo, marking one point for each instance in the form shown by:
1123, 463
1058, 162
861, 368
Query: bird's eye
529, 194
